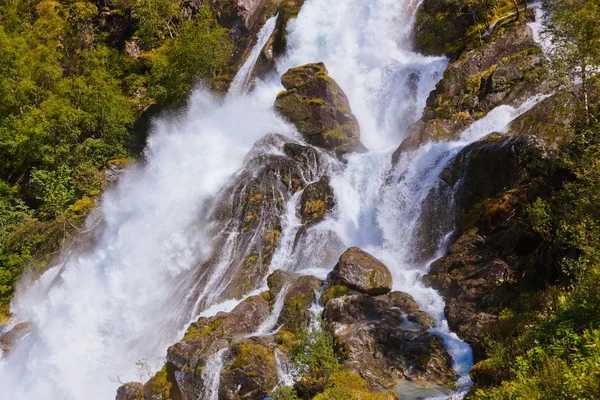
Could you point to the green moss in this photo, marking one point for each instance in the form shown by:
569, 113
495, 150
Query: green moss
314, 209
473, 84
346, 385
334, 292
254, 354
194, 332
286, 339
161, 384
316, 101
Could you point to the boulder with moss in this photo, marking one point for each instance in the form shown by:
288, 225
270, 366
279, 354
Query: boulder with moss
249, 370
319, 109
358, 270
385, 338
508, 68
316, 201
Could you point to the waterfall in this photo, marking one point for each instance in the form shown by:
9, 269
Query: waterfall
211, 376
266, 328
241, 80
129, 296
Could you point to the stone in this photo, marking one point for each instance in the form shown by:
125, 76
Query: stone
358, 270
249, 372
316, 201
508, 68
385, 338
130, 391
319, 109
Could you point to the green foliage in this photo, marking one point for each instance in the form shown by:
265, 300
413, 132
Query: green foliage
546, 346
69, 97
314, 358
573, 26
198, 54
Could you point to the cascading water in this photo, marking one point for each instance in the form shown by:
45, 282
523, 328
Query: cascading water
129, 297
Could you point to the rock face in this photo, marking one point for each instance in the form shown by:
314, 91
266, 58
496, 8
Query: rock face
361, 271
507, 69
130, 391
10, 338
249, 367
384, 339
319, 109
317, 199
248, 212
491, 261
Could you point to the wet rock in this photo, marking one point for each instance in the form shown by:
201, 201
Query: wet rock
319, 109
247, 213
507, 69
131, 391
317, 199
484, 269
250, 372
360, 271
13, 336
204, 338
471, 278
300, 297
279, 280
382, 342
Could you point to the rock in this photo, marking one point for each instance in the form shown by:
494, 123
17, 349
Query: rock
130, 391
361, 271
13, 336
507, 69
551, 119
441, 27
319, 109
488, 167
471, 279
280, 279
301, 295
252, 205
484, 268
317, 199
132, 49
204, 338
250, 372
383, 339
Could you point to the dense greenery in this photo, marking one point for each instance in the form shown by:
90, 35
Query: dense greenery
74, 77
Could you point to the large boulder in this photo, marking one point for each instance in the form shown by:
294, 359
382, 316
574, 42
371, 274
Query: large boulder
385, 338
360, 271
319, 109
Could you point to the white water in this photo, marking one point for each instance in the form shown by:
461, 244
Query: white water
127, 298
211, 375
242, 79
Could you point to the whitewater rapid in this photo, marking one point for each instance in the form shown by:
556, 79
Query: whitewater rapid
102, 309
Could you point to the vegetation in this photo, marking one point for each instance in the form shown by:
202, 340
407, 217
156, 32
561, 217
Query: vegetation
74, 78
547, 343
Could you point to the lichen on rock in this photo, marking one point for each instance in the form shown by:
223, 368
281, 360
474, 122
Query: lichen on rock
319, 109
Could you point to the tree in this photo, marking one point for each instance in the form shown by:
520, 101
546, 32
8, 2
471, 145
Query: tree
573, 27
